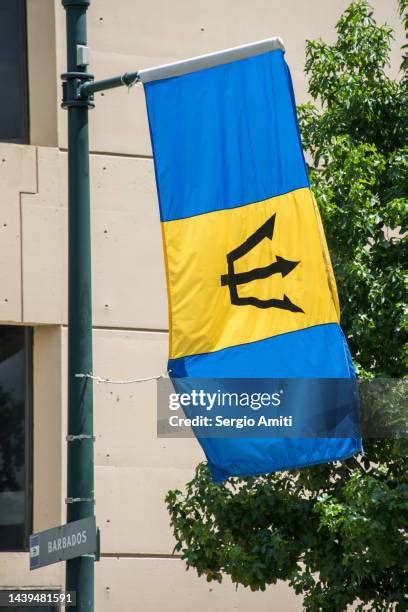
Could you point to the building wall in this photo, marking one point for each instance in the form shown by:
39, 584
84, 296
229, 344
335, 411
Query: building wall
134, 469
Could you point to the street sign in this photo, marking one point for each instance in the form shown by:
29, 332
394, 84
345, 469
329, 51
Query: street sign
64, 542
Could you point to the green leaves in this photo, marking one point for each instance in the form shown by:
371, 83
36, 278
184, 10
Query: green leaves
336, 532
359, 57
360, 178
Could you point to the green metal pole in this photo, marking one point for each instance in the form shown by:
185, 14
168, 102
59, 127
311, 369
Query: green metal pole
80, 485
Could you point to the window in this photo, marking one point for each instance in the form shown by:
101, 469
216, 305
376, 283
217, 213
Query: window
13, 72
15, 437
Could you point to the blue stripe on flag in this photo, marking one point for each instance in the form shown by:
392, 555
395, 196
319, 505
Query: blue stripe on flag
220, 145
252, 457
316, 352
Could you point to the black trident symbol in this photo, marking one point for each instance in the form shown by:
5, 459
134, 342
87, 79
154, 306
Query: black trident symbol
280, 266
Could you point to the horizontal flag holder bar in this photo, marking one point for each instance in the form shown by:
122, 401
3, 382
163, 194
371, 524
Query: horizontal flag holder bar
174, 69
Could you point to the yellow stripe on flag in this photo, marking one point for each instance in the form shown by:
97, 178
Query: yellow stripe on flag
280, 279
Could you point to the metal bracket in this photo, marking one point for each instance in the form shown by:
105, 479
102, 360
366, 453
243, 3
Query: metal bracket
76, 500
84, 3
72, 438
83, 55
71, 89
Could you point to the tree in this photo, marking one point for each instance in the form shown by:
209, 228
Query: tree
336, 532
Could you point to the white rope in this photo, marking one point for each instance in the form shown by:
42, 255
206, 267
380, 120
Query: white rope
134, 82
99, 379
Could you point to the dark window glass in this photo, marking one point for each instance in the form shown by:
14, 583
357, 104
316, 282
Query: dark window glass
13, 72
15, 438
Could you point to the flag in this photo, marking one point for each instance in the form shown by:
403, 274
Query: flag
251, 290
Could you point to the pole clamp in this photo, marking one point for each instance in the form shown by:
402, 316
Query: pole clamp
81, 3
76, 500
71, 90
72, 438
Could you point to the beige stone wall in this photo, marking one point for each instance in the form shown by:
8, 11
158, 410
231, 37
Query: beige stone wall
134, 469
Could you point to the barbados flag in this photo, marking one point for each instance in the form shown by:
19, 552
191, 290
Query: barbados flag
251, 290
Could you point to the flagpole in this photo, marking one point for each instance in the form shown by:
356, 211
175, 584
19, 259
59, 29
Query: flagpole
80, 460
